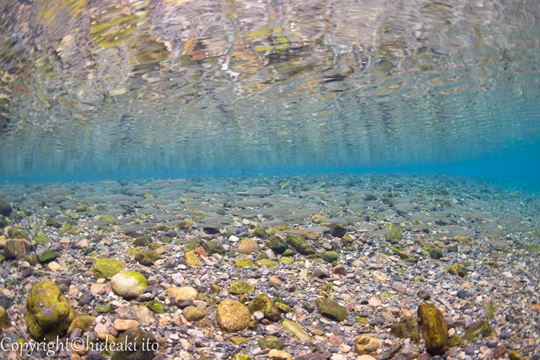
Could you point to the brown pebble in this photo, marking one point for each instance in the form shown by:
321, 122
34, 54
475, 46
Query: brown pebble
274, 281
123, 325
340, 270
499, 352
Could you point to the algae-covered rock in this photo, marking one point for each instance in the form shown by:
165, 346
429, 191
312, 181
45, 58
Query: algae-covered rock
40, 238
265, 305
480, 329
192, 259
136, 345
270, 342
337, 230
243, 263
392, 233
434, 328
455, 340
232, 316
276, 354
193, 313
407, 328
514, 355
48, 313
107, 267
248, 246
186, 293
300, 244
367, 344
213, 247
267, 262
129, 284
239, 287
457, 269
331, 309
16, 247
435, 253
330, 256
237, 340
260, 233
82, 322
155, 306
147, 257
186, 224
47, 256
142, 241
5, 208
277, 245
4, 319
296, 330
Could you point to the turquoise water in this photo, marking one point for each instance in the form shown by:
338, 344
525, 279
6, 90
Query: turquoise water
93, 90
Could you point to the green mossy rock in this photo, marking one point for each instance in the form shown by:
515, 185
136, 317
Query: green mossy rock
243, 263
137, 345
147, 257
104, 309
107, 267
239, 287
296, 330
455, 340
193, 313
81, 208
232, 316
480, 329
248, 246
40, 238
514, 355
260, 233
300, 244
457, 269
277, 245
128, 284
270, 342
47, 257
2, 258
155, 306
142, 241
213, 247
237, 340
186, 224
330, 256
407, 328
435, 253
265, 305
286, 260
434, 328
331, 309
393, 233
82, 322
16, 247
267, 262
48, 313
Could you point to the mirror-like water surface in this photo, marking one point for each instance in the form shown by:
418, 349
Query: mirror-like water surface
179, 87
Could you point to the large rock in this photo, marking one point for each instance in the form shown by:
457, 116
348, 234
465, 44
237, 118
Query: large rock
300, 244
213, 247
434, 328
5, 208
129, 284
277, 245
16, 247
48, 313
337, 230
232, 316
136, 345
107, 267
193, 313
407, 328
331, 309
185, 293
248, 246
265, 305
240, 287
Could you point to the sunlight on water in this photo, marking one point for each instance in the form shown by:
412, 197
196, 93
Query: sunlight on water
174, 88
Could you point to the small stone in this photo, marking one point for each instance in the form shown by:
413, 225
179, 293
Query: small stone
331, 309
276, 354
123, 325
275, 281
193, 313
192, 259
232, 316
128, 284
248, 246
368, 343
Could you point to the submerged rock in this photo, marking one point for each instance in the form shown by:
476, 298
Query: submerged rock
4, 319
193, 313
48, 313
129, 284
434, 328
277, 245
248, 246
300, 244
107, 267
480, 329
265, 305
137, 345
16, 247
232, 316
367, 344
331, 309
240, 287
407, 328
5, 208
296, 330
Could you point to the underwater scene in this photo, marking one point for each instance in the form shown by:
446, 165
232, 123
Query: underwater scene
269, 179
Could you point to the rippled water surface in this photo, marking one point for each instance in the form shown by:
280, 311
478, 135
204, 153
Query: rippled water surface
180, 87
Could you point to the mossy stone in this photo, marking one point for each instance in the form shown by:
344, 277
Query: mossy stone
265, 305
147, 257
434, 328
4, 319
192, 259
435, 253
455, 340
267, 262
300, 244
330, 256
296, 330
47, 256
237, 340
40, 238
331, 309
107, 267
367, 344
138, 345
213, 247
142, 241
129, 284
260, 233
104, 309
232, 316
186, 224
82, 322
243, 263
239, 287
286, 259
48, 312
480, 329
193, 313
16, 247
514, 355
457, 269
155, 306
393, 233
277, 245
248, 246
270, 342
